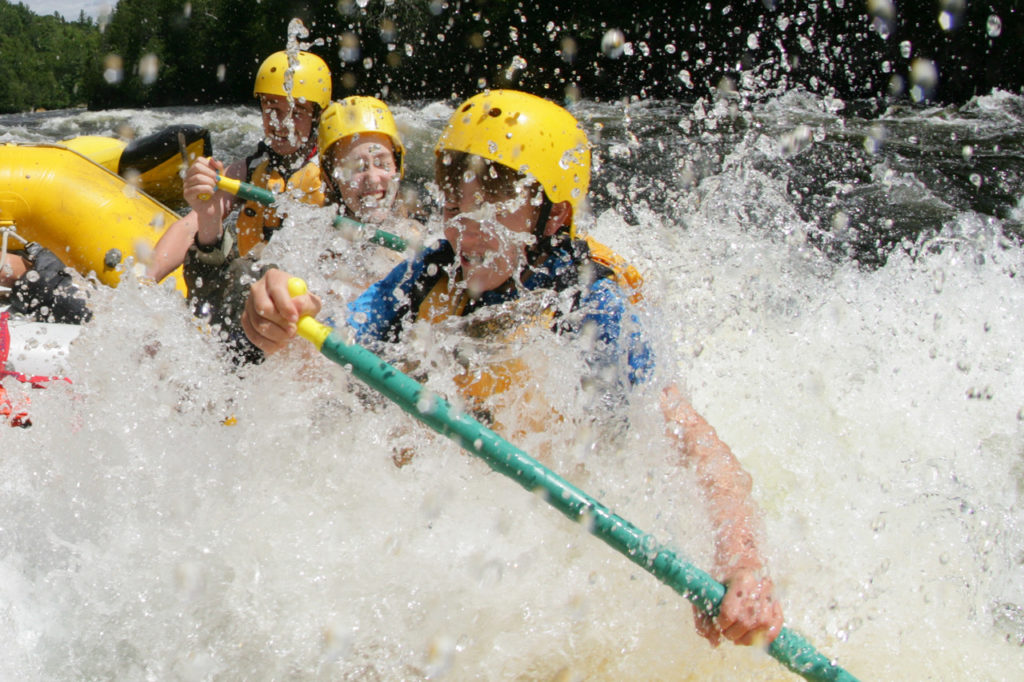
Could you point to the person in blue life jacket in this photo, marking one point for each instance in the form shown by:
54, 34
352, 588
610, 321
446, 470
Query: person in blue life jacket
514, 170
293, 90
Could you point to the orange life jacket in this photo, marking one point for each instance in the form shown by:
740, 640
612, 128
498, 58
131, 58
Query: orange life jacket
626, 276
255, 221
476, 383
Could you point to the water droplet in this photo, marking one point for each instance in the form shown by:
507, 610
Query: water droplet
924, 76
349, 49
994, 26
752, 41
149, 68
518, 64
976, 180
569, 49
906, 49
840, 221
113, 69
613, 43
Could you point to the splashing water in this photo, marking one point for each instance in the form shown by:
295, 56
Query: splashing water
169, 516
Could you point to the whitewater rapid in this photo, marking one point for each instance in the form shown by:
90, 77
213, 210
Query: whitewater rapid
169, 516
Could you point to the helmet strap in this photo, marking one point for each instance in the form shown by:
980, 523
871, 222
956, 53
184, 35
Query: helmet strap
542, 243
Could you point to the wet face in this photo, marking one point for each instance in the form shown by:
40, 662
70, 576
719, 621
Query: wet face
364, 170
490, 225
287, 126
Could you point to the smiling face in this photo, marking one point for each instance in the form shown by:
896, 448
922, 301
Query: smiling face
491, 215
287, 126
363, 169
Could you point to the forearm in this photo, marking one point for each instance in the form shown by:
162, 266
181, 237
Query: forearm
748, 613
726, 486
170, 250
209, 229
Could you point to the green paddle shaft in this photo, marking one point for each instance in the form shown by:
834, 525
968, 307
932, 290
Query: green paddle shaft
246, 190
250, 192
379, 237
789, 648
243, 190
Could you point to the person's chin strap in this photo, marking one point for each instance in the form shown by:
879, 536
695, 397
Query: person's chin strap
543, 243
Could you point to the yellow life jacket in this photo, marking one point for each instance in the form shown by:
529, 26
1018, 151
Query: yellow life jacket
256, 221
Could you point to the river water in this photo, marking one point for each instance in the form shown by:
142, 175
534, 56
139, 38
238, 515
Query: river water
836, 286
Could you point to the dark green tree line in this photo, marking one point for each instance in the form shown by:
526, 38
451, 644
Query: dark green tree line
43, 60
172, 52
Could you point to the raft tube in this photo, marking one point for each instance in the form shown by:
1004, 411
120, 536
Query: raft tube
152, 163
90, 217
39, 348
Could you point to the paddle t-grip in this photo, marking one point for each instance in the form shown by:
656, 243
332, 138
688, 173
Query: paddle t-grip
307, 327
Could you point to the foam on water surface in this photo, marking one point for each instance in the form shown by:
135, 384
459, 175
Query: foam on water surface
169, 516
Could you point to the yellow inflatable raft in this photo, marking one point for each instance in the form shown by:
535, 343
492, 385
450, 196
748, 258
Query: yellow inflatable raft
152, 163
92, 218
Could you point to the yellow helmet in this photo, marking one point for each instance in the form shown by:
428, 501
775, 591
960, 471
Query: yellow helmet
309, 75
527, 134
359, 114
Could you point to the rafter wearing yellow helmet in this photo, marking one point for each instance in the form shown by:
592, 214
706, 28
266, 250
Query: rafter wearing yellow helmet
508, 251
362, 156
292, 88
536, 138
302, 76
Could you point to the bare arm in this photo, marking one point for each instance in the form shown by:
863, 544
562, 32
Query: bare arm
749, 613
204, 223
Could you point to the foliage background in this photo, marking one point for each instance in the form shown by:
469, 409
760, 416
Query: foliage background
173, 52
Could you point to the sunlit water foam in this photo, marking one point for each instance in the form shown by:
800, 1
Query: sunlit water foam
877, 411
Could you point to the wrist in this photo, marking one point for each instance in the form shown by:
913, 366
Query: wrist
209, 230
216, 253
